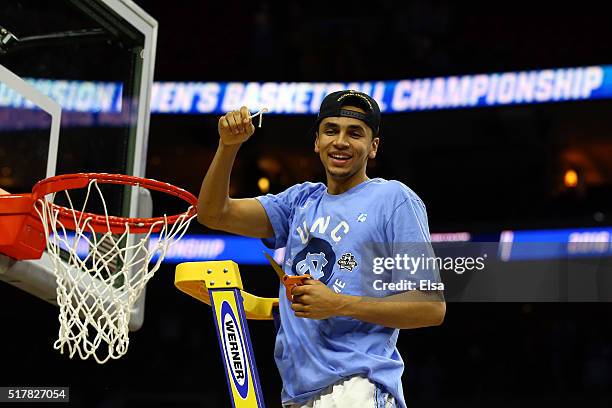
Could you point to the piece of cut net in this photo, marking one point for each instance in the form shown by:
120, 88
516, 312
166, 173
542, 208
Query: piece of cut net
103, 276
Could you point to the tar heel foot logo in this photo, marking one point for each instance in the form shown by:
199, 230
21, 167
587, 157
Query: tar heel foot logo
317, 259
235, 354
347, 261
362, 217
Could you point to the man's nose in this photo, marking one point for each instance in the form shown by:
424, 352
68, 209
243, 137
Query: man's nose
342, 140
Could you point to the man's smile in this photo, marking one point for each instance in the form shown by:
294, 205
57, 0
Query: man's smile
339, 159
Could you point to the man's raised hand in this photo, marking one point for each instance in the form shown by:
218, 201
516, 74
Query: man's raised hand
236, 127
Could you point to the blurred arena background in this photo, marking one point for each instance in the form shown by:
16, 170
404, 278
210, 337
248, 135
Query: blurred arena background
480, 170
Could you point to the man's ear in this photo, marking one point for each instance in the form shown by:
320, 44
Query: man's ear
316, 142
374, 146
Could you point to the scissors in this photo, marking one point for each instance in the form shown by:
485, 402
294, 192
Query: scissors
290, 281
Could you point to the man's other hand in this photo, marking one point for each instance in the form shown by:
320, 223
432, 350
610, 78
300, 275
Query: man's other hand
315, 300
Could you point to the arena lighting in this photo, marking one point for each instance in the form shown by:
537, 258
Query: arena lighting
263, 184
570, 178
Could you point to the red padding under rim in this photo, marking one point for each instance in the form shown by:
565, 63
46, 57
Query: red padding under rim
23, 235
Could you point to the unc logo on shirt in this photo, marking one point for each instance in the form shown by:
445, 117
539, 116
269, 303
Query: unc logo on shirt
313, 265
317, 259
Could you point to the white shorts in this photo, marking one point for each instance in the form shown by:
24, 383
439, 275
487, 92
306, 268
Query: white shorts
350, 393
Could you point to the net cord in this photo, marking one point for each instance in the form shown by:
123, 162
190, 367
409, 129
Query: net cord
96, 292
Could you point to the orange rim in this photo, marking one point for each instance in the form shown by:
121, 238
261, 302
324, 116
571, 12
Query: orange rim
100, 223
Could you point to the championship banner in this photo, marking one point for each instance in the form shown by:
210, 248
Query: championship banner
304, 98
591, 242
518, 245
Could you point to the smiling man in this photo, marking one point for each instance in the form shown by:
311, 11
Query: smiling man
336, 345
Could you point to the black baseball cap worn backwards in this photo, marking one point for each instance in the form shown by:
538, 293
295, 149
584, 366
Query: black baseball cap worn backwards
332, 106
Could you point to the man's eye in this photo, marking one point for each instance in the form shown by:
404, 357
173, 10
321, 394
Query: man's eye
330, 131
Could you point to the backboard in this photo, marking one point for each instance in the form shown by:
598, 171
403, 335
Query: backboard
75, 83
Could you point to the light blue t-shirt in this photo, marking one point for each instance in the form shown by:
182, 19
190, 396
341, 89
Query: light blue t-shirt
329, 237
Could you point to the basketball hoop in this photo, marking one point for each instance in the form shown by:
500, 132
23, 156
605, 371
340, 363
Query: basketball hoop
95, 288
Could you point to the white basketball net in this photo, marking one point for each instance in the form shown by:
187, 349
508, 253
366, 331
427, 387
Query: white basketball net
103, 277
